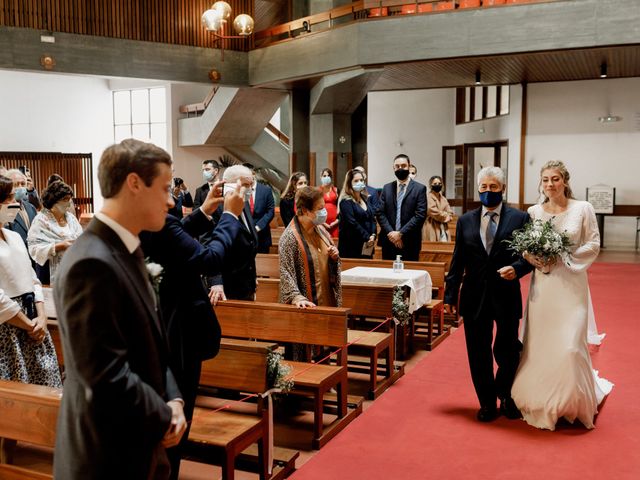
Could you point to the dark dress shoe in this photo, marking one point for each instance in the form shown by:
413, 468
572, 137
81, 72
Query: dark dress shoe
508, 409
487, 414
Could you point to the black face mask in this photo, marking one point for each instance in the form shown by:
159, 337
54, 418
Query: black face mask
436, 188
402, 174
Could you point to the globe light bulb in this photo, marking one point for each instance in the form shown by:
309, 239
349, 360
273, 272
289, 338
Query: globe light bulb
212, 20
224, 8
243, 24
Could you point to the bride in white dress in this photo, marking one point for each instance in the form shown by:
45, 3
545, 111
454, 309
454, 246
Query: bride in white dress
555, 378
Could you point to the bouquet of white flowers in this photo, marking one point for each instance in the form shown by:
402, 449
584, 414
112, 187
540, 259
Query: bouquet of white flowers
540, 239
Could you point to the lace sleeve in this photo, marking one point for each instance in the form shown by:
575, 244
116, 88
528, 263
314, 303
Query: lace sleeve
586, 253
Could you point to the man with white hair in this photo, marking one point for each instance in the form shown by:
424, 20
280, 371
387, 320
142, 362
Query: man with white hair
238, 278
490, 293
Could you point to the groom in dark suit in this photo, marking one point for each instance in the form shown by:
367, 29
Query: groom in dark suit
121, 406
401, 214
489, 274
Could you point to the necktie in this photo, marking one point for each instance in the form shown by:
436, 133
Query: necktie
401, 188
251, 204
492, 227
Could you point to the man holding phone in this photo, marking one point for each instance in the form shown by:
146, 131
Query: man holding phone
238, 277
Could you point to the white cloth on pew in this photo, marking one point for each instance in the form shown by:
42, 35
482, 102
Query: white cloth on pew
418, 281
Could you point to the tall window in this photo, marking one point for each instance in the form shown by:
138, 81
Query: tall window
479, 103
140, 114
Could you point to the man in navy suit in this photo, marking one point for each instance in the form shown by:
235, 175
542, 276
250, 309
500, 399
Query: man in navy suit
210, 170
402, 212
192, 327
262, 207
489, 274
27, 212
238, 278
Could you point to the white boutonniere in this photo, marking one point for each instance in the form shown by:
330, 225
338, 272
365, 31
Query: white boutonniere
155, 274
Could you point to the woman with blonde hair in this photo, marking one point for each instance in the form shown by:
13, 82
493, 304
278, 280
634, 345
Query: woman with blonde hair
555, 378
357, 220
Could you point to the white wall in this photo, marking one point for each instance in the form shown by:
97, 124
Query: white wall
47, 112
563, 124
506, 127
188, 160
417, 123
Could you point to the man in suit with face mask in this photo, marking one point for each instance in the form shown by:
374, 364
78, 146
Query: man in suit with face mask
237, 280
490, 293
402, 212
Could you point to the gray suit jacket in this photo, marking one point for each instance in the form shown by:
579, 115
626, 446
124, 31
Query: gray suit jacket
114, 412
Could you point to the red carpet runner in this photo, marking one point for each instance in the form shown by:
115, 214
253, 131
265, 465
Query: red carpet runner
424, 426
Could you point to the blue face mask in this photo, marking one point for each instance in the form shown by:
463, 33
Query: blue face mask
321, 217
325, 181
490, 199
20, 194
358, 186
207, 175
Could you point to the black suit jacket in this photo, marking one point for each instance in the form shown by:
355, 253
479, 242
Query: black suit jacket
356, 227
18, 224
263, 211
476, 269
191, 323
114, 412
374, 198
239, 270
201, 194
412, 215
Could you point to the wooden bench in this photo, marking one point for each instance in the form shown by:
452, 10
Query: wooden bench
29, 414
375, 345
431, 332
437, 252
223, 434
288, 324
10, 472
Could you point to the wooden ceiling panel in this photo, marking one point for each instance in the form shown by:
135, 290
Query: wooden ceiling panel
553, 66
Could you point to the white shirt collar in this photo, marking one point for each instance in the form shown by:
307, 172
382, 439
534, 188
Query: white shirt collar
497, 210
131, 241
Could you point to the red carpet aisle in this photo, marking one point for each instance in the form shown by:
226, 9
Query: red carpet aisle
425, 427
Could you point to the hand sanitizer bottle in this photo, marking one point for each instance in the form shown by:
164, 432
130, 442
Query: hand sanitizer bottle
398, 266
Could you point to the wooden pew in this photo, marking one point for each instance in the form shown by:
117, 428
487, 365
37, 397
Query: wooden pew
29, 414
437, 252
288, 324
240, 366
432, 332
10, 472
375, 345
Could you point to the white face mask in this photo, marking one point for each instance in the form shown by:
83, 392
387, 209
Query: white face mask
231, 187
8, 212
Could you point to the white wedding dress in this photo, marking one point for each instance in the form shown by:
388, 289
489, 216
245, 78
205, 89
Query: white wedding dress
555, 378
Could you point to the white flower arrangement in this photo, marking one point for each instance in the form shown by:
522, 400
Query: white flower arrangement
400, 306
155, 271
278, 373
540, 239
